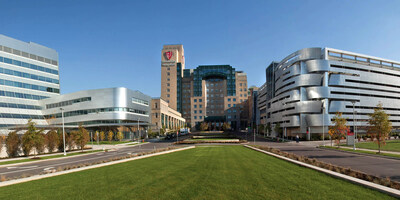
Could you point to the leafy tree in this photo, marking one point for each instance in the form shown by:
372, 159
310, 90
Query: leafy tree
269, 129
278, 129
96, 135
226, 126
203, 126
339, 129
69, 140
2, 139
120, 136
102, 136
162, 130
52, 140
110, 135
81, 137
32, 139
261, 128
380, 126
12, 144
60, 140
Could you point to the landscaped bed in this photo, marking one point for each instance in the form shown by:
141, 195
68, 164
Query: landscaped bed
228, 172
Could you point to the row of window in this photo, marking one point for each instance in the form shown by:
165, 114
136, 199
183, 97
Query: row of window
67, 103
136, 100
28, 55
200, 100
22, 106
98, 110
29, 86
27, 75
102, 122
27, 65
20, 116
21, 95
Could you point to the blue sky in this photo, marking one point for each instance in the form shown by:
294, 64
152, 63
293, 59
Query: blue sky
105, 44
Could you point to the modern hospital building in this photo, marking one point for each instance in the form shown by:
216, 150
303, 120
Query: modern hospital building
30, 89
305, 90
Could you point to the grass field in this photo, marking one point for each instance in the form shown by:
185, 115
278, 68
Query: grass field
213, 172
362, 151
46, 157
391, 145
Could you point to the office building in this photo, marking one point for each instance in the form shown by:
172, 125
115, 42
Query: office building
310, 85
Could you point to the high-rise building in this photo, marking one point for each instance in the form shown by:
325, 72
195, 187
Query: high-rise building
172, 66
28, 73
210, 93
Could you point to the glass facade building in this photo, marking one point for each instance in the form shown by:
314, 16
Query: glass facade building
28, 73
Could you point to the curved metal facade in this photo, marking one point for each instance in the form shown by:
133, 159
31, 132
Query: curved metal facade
310, 78
121, 105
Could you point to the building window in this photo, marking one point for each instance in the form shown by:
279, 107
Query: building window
234, 99
167, 95
195, 100
195, 117
229, 99
168, 68
200, 100
195, 106
200, 106
155, 106
168, 73
200, 111
200, 117
168, 84
195, 111
229, 105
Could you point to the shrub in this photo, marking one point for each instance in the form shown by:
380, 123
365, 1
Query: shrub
12, 143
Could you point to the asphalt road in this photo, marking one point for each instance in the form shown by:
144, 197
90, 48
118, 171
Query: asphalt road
35, 168
382, 167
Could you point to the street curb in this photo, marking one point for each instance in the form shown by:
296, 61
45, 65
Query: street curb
361, 154
381, 188
35, 161
37, 177
6, 159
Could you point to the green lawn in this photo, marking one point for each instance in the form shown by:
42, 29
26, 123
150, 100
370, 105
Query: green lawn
222, 172
46, 157
391, 145
361, 151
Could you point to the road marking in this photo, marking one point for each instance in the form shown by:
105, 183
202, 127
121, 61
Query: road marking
27, 167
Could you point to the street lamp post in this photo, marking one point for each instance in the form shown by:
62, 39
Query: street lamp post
138, 130
323, 123
62, 116
354, 125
